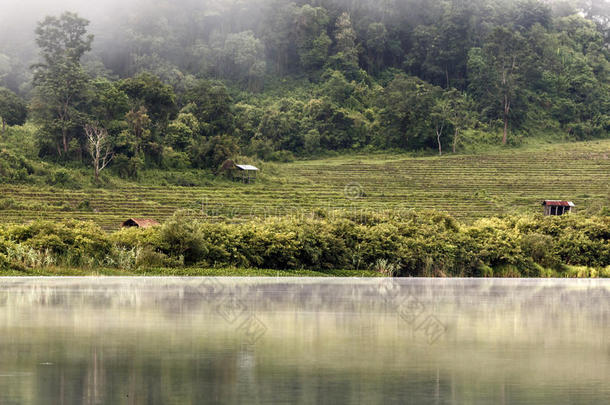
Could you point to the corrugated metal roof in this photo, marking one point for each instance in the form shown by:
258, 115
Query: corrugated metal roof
558, 203
247, 167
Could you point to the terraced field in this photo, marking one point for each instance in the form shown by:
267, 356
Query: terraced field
468, 187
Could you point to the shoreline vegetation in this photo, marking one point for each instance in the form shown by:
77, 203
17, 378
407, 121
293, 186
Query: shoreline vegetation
570, 272
326, 243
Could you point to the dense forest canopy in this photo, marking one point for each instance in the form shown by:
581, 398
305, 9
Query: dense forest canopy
189, 83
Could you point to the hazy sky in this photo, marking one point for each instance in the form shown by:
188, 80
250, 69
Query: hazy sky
29, 8
18, 18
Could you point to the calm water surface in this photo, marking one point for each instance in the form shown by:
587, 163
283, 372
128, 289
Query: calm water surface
303, 341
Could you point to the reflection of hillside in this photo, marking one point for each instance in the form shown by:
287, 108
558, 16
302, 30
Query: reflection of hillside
342, 293
163, 340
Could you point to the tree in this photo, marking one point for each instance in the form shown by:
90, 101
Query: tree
346, 58
278, 35
497, 73
311, 38
139, 128
181, 132
530, 12
461, 115
599, 12
59, 79
376, 43
452, 109
108, 105
159, 99
212, 152
439, 115
210, 103
99, 148
406, 107
243, 59
13, 110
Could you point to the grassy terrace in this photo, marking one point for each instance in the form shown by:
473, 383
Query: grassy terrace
466, 186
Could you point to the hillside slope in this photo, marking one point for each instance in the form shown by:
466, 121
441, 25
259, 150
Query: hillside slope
466, 186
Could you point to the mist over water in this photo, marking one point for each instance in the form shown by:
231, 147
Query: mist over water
176, 341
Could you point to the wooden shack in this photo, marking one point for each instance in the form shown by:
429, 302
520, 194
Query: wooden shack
557, 207
139, 223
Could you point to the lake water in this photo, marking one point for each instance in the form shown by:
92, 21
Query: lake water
303, 341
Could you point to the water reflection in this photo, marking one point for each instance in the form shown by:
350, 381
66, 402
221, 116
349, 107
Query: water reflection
304, 341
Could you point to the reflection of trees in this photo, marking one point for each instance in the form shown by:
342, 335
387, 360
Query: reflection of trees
160, 341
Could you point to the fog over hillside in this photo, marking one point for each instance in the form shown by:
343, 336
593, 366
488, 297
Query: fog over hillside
272, 78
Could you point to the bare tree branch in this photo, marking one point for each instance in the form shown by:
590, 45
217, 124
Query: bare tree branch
99, 148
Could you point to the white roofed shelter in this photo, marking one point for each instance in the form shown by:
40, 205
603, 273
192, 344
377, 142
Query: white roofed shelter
248, 172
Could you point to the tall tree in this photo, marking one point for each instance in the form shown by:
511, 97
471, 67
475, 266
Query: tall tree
210, 103
497, 73
439, 116
159, 99
243, 59
59, 79
346, 58
139, 129
311, 38
407, 104
376, 43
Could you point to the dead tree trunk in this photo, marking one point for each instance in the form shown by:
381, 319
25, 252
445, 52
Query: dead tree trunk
99, 147
506, 112
439, 132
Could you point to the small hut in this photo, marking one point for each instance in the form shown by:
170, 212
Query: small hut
557, 207
139, 223
248, 172
245, 173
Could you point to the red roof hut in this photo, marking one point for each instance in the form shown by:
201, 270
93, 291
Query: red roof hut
557, 207
139, 223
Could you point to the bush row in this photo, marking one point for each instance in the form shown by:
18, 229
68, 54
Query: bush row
412, 244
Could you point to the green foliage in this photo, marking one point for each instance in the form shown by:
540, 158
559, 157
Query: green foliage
13, 110
212, 152
423, 244
60, 82
148, 91
408, 104
14, 169
311, 38
127, 167
243, 59
305, 78
210, 103
45, 243
183, 238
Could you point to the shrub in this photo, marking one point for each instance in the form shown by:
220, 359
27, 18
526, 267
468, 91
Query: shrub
61, 177
5, 263
182, 237
72, 243
13, 168
541, 249
148, 257
415, 244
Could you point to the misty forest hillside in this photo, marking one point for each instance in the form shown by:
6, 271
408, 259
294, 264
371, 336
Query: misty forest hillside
185, 84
